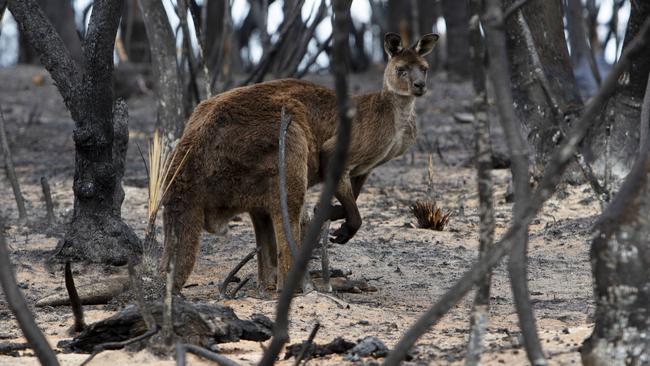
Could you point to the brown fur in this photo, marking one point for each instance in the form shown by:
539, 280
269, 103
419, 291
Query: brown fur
232, 164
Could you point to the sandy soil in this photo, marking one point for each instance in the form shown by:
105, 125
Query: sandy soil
411, 268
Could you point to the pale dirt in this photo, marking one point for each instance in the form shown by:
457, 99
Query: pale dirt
411, 268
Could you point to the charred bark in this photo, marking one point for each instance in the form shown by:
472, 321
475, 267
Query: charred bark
543, 105
61, 14
457, 19
620, 261
97, 232
623, 112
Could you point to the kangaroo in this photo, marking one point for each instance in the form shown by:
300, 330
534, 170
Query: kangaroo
231, 165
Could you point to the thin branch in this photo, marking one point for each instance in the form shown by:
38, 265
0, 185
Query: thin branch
11, 170
117, 345
644, 134
560, 159
334, 172
223, 290
312, 60
269, 57
215, 357
75, 302
239, 287
307, 345
19, 307
480, 310
285, 122
136, 287
49, 205
202, 46
500, 76
324, 256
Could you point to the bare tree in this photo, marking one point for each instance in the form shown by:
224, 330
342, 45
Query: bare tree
97, 232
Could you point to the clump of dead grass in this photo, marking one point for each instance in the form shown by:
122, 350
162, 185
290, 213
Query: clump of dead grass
429, 215
160, 176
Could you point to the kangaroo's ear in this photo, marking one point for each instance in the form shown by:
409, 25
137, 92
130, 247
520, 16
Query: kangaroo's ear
426, 43
392, 44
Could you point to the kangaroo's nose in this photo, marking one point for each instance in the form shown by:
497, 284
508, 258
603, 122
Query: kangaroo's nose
419, 84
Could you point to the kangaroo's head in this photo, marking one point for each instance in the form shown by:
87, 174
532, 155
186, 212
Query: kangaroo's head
406, 71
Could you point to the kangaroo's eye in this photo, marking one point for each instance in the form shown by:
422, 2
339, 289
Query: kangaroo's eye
401, 71
424, 69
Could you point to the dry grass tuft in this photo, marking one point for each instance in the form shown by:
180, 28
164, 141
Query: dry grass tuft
430, 216
161, 161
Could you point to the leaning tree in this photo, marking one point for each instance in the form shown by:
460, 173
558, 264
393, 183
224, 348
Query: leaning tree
96, 232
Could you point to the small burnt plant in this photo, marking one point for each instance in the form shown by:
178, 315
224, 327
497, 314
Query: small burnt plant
429, 215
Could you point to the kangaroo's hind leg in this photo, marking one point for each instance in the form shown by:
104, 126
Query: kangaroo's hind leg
267, 254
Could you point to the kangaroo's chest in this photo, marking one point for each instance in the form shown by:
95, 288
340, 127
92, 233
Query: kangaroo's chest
401, 133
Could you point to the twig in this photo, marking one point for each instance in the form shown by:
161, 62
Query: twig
305, 347
285, 122
239, 287
148, 318
324, 256
500, 74
201, 42
480, 310
168, 301
117, 345
644, 134
11, 170
49, 206
215, 357
224, 286
180, 354
560, 159
334, 172
267, 59
75, 302
19, 307
312, 60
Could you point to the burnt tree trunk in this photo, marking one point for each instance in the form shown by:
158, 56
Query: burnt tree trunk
620, 261
457, 19
97, 232
169, 89
623, 112
61, 14
544, 98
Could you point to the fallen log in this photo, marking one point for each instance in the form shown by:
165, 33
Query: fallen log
201, 324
